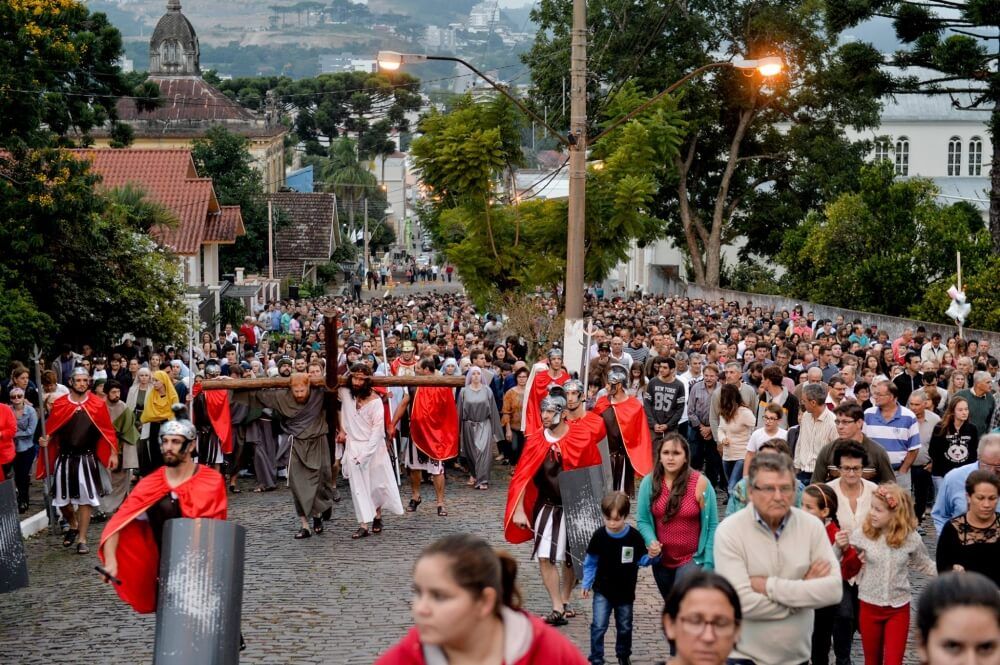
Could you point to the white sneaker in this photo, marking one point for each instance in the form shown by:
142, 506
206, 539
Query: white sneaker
282, 473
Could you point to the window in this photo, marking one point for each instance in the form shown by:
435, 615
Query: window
902, 156
976, 156
881, 151
954, 156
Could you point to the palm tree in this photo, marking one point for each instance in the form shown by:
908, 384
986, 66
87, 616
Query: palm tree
132, 206
344, 175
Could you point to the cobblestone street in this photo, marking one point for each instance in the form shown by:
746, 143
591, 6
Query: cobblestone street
327, 599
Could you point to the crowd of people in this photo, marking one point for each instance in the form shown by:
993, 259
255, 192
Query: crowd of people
784, 471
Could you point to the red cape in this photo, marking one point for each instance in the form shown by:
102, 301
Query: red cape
434, 422
631, 419
548, 646
537, 391
578, 451
202, 495
62, 410
217, 406
8, 428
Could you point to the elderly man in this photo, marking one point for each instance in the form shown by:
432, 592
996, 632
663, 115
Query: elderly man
982, 404
779, 560
733, 375
817, 428
951, 499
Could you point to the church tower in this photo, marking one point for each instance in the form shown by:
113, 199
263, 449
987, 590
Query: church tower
173, 49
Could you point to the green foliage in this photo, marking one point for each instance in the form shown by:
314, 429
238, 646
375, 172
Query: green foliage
506, 251
231, 311
980, 286
60, 73
881, 247
225, 158
77, 265
957, 41
738, 175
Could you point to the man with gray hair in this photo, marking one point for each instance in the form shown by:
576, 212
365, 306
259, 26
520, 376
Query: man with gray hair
982, 404
817, 427
733, 374
951, 498
780, 561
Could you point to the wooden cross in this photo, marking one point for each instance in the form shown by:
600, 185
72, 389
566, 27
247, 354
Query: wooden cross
331, 382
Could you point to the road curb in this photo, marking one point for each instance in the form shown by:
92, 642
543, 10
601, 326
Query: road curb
34, 524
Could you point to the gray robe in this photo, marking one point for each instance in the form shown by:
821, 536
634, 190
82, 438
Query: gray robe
480, 429
309, 462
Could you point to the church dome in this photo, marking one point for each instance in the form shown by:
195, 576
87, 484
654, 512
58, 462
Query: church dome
173, 49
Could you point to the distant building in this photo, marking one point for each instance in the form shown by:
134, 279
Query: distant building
191, 106
309, 234
484, 16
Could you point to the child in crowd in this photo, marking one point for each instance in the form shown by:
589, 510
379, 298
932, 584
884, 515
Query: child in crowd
820, 500
611, 569
889, 544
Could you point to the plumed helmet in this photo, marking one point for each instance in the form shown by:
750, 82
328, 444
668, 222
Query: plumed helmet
617, 374
555, 401
180, 426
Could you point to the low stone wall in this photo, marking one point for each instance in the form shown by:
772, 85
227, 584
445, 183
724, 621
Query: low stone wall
894, 325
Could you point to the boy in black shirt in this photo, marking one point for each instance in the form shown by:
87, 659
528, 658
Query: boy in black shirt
611, 569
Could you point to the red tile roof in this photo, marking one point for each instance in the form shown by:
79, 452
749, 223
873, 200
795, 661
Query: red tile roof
225, 226
169, 178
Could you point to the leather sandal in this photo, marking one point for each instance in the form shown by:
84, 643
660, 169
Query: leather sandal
377, 525
303, 533
442, 512
412, 508
360, 533
556, 618
70, 537
317, 525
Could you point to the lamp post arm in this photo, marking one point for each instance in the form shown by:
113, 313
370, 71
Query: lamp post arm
642, 107
506, 93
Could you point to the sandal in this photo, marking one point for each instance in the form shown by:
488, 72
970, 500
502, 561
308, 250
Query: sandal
568, 611
317, 525
70, 537
472, 482
442, 512
81, 548
233, 489
303, 533
556, 618
412, 508
377, 525
483, 487
360, 533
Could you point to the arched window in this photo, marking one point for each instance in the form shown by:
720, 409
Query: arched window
976, 156
954, 156
882, 151
902, 156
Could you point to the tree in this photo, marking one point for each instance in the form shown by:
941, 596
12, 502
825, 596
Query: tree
882, 247
225, 158
60, 74
731, 151
79, 266
956, 39
510, 248
343, 175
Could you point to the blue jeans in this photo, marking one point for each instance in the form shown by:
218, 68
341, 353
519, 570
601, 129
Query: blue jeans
734, 471
599, 626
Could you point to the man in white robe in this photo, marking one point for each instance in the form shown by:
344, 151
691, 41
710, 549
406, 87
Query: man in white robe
366, 463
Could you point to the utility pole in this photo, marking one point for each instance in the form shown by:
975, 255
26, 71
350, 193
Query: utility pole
365, 276
270, 242
573, 354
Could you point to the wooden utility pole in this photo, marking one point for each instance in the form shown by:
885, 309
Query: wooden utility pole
573, 287
270, 242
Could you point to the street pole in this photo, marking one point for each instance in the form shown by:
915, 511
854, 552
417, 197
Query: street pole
573, 287
365, 276
270, 243
958, 260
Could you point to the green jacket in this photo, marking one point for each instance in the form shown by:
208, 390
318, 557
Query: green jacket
704, 556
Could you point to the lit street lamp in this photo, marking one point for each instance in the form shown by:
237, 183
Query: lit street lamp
576, 143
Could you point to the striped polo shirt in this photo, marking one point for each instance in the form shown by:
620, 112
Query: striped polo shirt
898, 435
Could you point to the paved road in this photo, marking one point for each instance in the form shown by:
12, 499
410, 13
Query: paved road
327, 599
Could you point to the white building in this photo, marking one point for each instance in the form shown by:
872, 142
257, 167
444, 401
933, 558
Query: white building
392, 177
484, 16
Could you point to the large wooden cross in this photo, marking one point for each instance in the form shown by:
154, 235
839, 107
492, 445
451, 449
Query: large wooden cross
331, 382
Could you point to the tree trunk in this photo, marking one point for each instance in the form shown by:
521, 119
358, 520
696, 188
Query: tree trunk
689, 220
713, 248
994, 129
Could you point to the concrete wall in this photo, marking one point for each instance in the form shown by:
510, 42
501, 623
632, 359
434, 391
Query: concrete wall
892, 324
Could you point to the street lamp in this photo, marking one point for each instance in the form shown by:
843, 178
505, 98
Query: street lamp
576, 144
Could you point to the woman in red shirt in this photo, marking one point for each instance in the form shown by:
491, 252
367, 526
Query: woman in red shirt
466, 608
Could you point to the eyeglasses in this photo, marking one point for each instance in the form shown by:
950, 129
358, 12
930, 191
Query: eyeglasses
851, 469
695, 625
987, 465
17, 396
772, 418
774, 489
844, 421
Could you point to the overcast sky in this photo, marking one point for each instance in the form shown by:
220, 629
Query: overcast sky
514, 3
